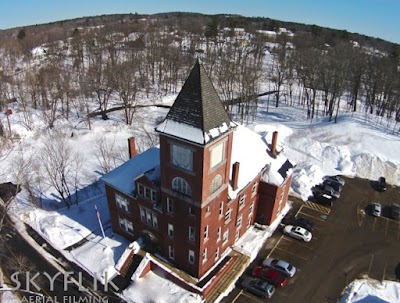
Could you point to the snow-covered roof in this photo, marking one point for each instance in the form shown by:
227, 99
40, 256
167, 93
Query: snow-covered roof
197, 114
123, 176
252, 152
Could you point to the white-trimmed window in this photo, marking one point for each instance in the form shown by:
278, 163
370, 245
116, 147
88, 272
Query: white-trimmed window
221, 209
228, 215
204, 255
208, 210
191, 211
216, 183
140, 190
155, 220
249, 221
191, 234
219, 234
242, 200
171, 252
217, 253
147, 193
206, 233
217, 155
170, 206
170, 230
254, 189
125, 224
237, 234
122, 202
226, 236
148, 217
251, 209
239, 221
191, 256
153, 196
142, 213
181, 185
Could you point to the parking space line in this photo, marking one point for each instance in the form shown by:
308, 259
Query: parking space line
250, 296
304, 214
384, 271
290, 253
276, 244
301, 207
237, 296
370, 263
386, 228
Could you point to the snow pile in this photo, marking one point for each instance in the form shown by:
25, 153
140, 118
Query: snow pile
155, 288
69, 226
98, 256
371, 291
354, 146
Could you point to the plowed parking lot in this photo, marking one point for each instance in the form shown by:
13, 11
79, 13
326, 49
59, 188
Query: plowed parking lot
347, 244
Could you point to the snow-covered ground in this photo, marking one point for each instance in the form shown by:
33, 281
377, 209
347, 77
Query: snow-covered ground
357, 145
371, 291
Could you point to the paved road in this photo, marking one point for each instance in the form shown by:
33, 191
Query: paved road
347, 244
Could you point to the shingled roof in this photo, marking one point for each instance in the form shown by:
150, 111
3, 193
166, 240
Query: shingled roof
197, 114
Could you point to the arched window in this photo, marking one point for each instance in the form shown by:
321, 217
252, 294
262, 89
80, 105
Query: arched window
180, 185
216, 183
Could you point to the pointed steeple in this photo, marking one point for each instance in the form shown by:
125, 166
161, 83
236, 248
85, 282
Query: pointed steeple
197, 110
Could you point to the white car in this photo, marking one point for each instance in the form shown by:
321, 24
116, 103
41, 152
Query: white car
297, 232
280, 265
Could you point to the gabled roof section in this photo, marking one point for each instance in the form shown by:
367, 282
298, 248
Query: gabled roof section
197, 114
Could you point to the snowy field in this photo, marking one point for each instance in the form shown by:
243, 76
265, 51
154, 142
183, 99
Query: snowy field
357, 145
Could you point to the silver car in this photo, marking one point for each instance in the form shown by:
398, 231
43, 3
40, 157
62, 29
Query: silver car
280, 265
297, 232
376, 209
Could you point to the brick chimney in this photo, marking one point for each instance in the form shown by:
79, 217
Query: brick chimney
274, 141
132, 147
235, 175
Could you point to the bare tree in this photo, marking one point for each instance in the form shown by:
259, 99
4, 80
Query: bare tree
108, 154
62, 166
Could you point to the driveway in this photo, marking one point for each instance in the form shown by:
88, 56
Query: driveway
347, 244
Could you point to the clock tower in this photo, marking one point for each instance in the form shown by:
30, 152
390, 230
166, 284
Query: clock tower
195, 155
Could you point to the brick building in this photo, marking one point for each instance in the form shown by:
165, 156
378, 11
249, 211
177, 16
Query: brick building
197, 193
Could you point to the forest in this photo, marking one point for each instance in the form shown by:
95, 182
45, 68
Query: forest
89, 67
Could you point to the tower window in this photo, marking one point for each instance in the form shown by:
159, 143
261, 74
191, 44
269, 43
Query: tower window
182, 157
181, 185
170, 230
217, 155
216, 183
170, 206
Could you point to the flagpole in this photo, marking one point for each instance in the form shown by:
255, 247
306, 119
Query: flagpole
98, 218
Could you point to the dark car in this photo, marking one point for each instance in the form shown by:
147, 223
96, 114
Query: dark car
324, 199
395, 211
298, 221
335, 185
335, 179
325, 189
381, 186
272, 276
258, 287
